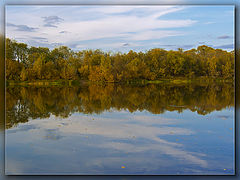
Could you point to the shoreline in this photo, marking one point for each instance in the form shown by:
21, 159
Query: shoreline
175, 81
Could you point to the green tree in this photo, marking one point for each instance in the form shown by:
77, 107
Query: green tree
23, 74
38, 66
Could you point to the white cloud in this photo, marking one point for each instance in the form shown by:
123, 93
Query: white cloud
132, 23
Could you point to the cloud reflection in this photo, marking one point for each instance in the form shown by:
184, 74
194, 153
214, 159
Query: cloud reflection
120, 133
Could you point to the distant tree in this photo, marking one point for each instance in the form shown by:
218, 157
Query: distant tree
36, 63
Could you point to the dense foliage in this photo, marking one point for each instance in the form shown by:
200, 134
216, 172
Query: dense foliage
39, 63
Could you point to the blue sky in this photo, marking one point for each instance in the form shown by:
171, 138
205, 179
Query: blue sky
121, 28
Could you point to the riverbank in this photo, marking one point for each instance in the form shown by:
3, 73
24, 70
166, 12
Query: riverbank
45, 83
180, 80
205, 80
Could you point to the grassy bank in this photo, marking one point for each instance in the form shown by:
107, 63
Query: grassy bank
192, 80
44, 83
202, 80
179, 80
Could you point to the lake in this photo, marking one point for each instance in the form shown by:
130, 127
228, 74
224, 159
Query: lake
154, 129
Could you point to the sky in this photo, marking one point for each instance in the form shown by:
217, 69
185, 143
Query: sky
122, 28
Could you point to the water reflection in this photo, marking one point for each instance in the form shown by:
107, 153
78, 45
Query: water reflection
151, 129
143, 143
23, 103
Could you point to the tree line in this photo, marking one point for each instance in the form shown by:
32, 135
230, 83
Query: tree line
25, 63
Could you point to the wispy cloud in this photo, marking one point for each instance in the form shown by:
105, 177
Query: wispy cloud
176, 46
40, 38
62, 32
119, 27
22, 27
225, 46
224, 37
126, 44
120, 23
52, 21
187, 46
108, 27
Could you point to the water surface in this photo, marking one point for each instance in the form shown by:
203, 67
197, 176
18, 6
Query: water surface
120, 129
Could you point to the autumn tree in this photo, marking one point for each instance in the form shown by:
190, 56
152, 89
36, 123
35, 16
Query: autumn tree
40, 63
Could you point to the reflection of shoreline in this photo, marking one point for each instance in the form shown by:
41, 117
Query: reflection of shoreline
23, 103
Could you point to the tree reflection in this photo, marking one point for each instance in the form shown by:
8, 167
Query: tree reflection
23, 103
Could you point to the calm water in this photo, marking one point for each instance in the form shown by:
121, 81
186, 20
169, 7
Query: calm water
120, 129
